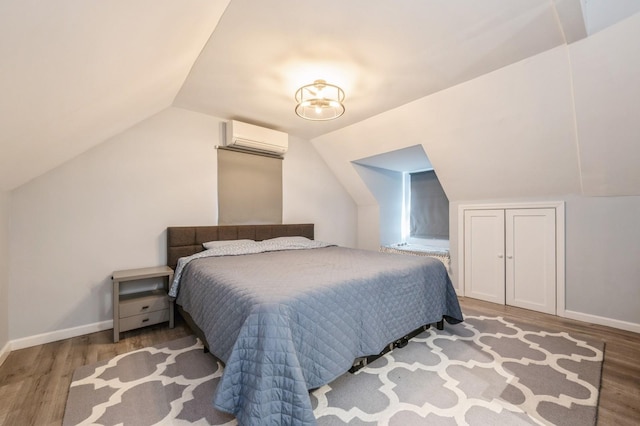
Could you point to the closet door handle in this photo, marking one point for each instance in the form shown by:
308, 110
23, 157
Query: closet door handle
509, 256
500, 255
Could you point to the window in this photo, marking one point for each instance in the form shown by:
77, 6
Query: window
428, 207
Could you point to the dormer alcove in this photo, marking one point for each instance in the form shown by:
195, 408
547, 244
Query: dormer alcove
413, 207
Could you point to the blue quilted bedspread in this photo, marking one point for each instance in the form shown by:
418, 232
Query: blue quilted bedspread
288, 321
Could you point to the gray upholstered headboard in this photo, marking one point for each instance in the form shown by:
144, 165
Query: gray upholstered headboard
187, 240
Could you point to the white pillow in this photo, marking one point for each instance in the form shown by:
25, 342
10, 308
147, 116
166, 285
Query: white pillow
289, 240
224, 243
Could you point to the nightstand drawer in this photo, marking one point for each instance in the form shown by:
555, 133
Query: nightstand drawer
143, 320
136, 304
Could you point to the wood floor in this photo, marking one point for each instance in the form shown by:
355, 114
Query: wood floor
620, 388
34, 382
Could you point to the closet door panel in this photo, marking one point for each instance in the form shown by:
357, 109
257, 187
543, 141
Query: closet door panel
484, 274
530, 267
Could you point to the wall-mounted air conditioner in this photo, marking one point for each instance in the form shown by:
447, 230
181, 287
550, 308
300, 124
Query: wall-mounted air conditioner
249, 137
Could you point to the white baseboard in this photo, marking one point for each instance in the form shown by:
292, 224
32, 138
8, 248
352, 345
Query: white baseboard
53, 336
4, 352
67, 333
622, 325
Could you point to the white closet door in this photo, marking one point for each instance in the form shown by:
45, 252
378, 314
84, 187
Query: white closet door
530, 248
484, 255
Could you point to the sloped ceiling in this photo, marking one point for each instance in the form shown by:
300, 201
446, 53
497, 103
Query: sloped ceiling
74, 73
383, 54
507, 134
606, 82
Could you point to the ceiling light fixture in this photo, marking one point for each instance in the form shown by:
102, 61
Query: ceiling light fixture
320, 101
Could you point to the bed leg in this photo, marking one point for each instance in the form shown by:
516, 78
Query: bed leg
440, 325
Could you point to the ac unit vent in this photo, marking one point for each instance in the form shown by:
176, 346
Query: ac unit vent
253, 138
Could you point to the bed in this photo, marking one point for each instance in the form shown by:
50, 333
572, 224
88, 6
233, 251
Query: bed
287, 314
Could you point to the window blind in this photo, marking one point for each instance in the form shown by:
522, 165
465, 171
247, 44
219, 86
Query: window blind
429, 217
249, 188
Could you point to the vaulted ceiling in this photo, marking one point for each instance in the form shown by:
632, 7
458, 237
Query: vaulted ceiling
74, 73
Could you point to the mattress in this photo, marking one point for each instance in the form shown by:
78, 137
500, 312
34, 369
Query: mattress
442, 254
290, 320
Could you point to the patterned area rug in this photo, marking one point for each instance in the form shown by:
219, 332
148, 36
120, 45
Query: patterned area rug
485, 371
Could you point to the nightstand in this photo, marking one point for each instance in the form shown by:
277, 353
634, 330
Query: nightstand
137, 309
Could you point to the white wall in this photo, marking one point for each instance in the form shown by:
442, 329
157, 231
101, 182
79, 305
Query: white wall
105, 210
108, 209
387, 187
603, 257
508, 133
4, 274
600, 14
502, 135
312, 194
512, 135
605, 73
